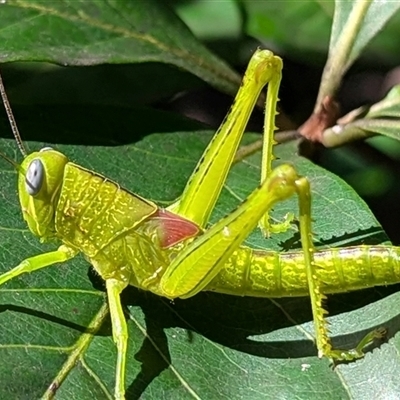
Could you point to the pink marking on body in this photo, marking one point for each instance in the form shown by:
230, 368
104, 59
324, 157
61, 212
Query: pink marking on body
174, 228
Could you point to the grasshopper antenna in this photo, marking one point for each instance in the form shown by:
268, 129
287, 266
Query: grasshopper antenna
11, 118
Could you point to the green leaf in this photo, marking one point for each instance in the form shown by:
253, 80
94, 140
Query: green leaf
355, 24
371, 21
388, 107
382, 118
312, 23
210, 346
114, 32
361, 129
386, 127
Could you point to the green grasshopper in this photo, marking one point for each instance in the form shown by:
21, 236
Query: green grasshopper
172, 252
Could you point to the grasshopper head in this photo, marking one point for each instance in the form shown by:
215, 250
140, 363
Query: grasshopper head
39, 185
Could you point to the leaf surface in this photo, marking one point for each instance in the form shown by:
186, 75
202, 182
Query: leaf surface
114, 31
206, 347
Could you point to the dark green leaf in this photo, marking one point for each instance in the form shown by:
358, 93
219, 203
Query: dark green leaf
97, 32
210, 346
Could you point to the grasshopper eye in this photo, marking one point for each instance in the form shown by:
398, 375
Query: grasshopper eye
34, 177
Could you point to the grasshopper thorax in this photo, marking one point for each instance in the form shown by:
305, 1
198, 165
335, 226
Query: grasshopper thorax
39, 185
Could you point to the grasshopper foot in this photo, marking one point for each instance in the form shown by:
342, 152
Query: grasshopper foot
357, 352
268, 228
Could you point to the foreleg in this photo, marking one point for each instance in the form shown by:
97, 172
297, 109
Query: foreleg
40, 261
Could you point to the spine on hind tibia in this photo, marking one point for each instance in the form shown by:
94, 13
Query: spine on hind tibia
252, 272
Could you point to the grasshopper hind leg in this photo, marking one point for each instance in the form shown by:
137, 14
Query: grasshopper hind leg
317, 297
